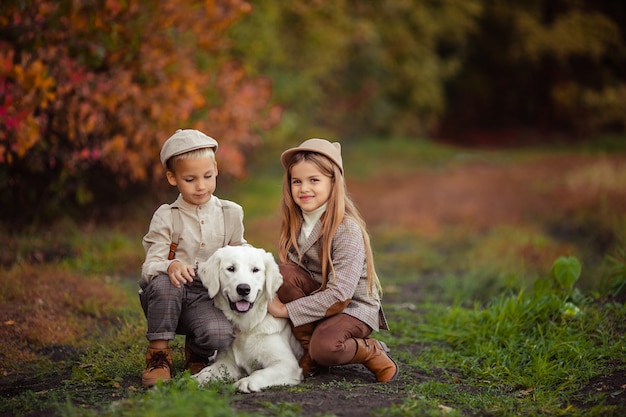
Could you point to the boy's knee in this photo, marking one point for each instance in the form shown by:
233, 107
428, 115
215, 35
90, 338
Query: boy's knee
208, 343
161, 285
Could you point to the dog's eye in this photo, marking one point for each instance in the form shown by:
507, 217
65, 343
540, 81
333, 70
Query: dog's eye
255, 269
231, 269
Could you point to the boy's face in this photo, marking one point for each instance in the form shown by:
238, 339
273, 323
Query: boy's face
195, 179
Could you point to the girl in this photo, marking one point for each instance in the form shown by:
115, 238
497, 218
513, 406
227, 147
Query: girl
330, 291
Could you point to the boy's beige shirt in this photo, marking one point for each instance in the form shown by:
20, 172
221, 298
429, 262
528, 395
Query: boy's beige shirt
205, 228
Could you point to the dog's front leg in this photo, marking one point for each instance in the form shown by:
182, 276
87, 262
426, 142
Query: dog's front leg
280, 373
223, 369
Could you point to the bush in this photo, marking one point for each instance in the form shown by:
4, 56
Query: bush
90, 90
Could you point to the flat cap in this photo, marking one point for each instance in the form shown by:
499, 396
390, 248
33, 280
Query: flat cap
183, 141
321, 146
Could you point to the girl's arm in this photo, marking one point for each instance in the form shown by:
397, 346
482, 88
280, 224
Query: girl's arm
349, 262
277, 309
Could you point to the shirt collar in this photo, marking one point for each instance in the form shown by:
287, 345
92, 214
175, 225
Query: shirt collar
181, 203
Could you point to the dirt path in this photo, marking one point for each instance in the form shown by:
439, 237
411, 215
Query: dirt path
481, 195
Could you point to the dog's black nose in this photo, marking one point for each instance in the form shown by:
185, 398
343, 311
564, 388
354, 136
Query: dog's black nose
243, 289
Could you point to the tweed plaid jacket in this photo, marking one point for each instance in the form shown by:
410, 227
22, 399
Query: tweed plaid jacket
349, 282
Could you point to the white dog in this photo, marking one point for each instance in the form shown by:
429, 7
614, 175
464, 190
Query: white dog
242, 280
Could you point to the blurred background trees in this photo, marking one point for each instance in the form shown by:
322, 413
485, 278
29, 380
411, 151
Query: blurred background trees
90, 89
406, 67
556, 65
351, 67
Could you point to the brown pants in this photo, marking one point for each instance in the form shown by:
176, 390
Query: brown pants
331, 341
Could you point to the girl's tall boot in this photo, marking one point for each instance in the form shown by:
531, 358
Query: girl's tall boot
373, 354
303, 334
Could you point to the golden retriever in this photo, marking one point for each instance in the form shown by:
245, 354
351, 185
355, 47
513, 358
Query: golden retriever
242, 280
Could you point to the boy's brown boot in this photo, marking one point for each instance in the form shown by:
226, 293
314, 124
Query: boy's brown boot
158, 367
373, 354
194, 362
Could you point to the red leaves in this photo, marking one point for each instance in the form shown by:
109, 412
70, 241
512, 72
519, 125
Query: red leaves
107, 82
240, 114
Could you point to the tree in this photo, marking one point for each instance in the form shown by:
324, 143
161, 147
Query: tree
549, 64
350, 67
90, 89
404, 67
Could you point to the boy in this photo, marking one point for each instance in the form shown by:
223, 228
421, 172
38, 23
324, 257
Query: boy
173, 301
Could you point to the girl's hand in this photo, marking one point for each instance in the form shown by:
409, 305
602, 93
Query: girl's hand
180, 274
277, 309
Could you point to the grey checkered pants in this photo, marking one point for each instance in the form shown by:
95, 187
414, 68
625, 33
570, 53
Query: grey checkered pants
188, 311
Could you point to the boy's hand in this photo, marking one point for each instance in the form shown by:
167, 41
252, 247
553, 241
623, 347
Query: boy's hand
180, 274
277, 309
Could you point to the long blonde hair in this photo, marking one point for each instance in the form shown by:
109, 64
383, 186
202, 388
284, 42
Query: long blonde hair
339, 207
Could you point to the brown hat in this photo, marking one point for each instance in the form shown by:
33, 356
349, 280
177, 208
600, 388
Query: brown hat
183, 141
321, 146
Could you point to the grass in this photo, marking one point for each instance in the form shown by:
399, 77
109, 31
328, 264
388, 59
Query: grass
486, 331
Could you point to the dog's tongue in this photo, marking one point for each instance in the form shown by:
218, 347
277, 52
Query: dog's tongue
242, 305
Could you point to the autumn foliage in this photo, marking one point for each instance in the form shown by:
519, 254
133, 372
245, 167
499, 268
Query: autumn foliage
89, 90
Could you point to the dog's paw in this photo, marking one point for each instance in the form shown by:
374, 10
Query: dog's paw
203, 376
248, 385
216, 372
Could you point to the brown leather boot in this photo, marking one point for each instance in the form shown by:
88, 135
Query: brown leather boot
158, 367
303, 334
194, 362
373, 354
307, 364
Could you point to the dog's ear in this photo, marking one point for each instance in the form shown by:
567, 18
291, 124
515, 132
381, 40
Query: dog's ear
209, 273
273, 278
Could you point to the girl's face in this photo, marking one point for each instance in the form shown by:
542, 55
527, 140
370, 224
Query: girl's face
310, 188
195, 179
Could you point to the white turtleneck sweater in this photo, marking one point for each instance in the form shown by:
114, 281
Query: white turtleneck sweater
310, 219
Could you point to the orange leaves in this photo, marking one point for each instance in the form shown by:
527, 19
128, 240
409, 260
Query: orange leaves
35, 82
242, 111
26, 87
103, 84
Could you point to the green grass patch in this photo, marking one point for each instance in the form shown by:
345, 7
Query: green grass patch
180, 398
532, 350
373, 157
